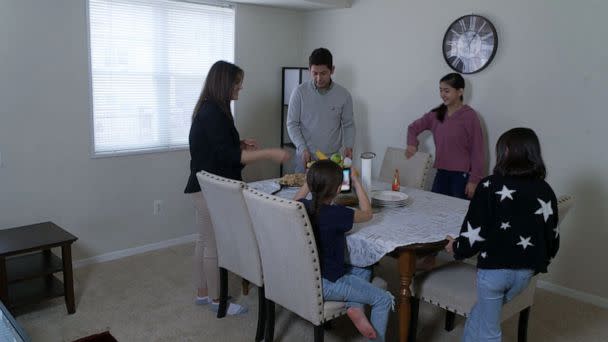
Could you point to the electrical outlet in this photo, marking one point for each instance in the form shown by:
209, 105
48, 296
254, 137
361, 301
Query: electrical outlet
157, 207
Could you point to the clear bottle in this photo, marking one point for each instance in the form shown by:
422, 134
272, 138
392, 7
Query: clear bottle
396, 184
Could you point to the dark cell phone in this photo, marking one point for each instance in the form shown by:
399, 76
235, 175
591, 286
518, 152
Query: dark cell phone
346, 182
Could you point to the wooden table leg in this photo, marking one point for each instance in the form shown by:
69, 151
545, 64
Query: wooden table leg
68, 277
3, 281
407, 266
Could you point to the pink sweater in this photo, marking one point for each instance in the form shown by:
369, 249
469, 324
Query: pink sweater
459, 144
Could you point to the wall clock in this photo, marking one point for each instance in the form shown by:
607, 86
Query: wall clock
469, 44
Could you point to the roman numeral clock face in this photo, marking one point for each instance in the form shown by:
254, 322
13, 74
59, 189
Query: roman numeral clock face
469, 44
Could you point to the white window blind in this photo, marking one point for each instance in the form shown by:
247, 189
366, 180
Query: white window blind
149, 59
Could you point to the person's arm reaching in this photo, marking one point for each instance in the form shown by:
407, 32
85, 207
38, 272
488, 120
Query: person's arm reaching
277, 155
364, 213
415, 128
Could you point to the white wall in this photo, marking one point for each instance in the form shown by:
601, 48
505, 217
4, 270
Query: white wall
267, 40
549, 74
47, 172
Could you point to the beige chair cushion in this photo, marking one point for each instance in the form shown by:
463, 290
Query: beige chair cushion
452, 287
237, 248
412, 172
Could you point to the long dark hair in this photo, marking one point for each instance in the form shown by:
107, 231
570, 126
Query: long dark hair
323, 178
219, 85
455, 81
518, 154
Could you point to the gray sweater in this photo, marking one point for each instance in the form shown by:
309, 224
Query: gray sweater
321, 120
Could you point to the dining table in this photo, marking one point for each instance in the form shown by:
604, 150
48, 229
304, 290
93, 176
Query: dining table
406, 232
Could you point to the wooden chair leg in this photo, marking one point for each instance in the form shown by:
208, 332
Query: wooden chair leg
522, 326
319, 333
415, 304
269, 334
245, 287
221, 311
450, 317
259, 334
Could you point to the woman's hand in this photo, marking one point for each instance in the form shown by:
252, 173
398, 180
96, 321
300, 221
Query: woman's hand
469, 190
450, 246
249, 145
410, 151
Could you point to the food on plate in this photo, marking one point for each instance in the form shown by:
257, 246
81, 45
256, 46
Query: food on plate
293, 179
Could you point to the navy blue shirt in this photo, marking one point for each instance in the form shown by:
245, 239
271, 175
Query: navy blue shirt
333, 222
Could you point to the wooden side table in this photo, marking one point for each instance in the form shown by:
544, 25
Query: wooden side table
27, 265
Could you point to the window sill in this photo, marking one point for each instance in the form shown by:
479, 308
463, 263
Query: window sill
98, 155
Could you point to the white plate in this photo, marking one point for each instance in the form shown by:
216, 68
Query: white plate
389, 196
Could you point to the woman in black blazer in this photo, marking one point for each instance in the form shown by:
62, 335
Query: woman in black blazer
215, 146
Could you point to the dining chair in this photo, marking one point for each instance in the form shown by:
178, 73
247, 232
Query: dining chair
452, 287
290, 262
413, 172
237, 248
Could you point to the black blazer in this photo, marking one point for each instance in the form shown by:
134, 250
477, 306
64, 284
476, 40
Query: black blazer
215, 145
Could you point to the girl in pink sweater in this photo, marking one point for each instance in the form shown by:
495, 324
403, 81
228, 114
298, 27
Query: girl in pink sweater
459, 143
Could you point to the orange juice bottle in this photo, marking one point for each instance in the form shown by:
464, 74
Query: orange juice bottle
396, 185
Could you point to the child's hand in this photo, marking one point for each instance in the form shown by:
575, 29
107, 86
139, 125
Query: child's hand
450, 246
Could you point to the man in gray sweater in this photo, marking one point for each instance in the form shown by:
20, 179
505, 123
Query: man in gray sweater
320, 115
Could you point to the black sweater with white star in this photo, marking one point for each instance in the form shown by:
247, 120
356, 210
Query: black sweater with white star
511, 223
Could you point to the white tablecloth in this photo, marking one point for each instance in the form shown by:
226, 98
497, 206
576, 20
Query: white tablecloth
428, 217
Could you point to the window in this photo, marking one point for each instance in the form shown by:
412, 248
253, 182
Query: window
149, 59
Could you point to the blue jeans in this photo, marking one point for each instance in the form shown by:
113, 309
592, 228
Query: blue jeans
494, 289
355, 289
451, 183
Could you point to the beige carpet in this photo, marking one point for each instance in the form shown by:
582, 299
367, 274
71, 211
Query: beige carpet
149, 297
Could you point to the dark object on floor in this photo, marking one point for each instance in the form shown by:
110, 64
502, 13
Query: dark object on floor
101, 337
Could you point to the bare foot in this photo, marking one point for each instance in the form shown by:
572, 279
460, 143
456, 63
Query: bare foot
357, 316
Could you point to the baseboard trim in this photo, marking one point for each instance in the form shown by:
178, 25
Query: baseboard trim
575, 294
135, 250
543, 284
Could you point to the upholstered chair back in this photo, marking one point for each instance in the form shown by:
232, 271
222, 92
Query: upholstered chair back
289, 257
413, 172
237, 248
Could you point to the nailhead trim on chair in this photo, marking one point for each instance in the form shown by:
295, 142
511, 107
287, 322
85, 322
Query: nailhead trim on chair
313, 253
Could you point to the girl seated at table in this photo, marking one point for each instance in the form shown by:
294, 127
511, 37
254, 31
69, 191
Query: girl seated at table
330, 222
512, 226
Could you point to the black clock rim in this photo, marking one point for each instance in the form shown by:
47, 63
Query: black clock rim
493, 49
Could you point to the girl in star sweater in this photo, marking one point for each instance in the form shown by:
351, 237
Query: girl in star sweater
511, 225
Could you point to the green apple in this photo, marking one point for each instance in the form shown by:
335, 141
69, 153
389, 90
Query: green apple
336, 158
